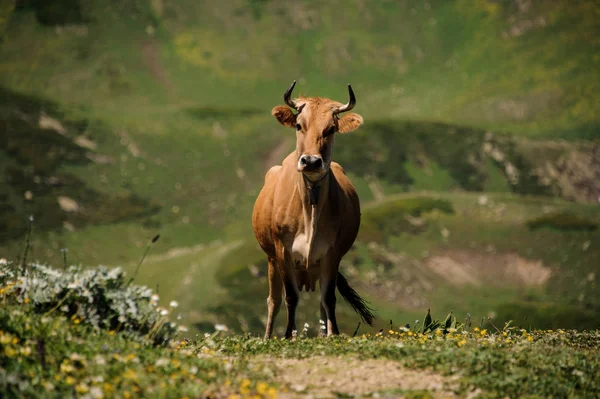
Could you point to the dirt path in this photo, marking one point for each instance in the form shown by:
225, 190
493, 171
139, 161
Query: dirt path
335, 377
151, 57
201, 276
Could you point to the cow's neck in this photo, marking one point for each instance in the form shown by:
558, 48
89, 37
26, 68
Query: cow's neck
313, 196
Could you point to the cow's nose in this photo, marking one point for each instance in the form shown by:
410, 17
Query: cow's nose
311, 162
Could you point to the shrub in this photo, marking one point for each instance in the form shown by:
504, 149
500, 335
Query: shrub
99, 297
562, 221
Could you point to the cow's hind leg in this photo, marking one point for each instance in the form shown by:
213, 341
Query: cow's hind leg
329, 272
274, 299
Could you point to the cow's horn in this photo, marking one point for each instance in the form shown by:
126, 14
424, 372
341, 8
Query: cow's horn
288, 94
349, 105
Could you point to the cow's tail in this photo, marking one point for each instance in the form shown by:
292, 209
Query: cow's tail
359, 305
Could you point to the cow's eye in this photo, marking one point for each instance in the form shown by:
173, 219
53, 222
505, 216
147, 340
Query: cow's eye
298, 127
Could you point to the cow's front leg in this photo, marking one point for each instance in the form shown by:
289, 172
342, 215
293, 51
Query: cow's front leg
329, 271
274, 299
292, 294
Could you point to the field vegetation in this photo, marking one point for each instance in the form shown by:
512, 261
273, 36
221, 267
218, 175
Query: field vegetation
478, 170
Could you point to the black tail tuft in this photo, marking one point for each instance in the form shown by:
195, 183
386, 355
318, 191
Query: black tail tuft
358, 304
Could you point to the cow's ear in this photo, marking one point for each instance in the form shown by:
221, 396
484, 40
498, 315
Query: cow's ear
349, 122
284, 115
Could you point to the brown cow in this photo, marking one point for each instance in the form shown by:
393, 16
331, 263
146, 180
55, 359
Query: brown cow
307, 214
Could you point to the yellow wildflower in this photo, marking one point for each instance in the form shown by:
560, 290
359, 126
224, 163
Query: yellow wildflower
461, 342
25, 351
530, 338
66, 367
82, 388
126, 395
129, 374
108, 388
271, 393
69, 380
111, 332
261, 388
9, 351
476, 329
15, 341
26, 301
234, 397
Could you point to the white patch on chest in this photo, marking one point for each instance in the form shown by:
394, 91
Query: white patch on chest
300, 249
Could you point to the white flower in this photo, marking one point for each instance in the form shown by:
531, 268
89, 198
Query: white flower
306, 325
3, 262
154, 298
182, 328
96, 393
164, 312
173, 304
193, 370
64, 308
122, 319
221, 327
48, 386
161, 362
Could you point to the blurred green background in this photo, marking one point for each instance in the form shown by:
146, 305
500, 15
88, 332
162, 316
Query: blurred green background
478, 166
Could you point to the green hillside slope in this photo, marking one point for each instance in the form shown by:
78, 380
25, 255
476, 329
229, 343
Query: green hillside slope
121, 120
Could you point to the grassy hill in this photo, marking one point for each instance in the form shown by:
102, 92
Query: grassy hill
121, 120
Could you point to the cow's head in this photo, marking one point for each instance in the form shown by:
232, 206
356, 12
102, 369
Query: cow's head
316, 122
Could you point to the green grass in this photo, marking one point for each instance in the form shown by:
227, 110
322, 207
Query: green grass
51, 355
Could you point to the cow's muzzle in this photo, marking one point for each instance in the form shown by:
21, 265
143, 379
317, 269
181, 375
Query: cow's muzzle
310, 164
